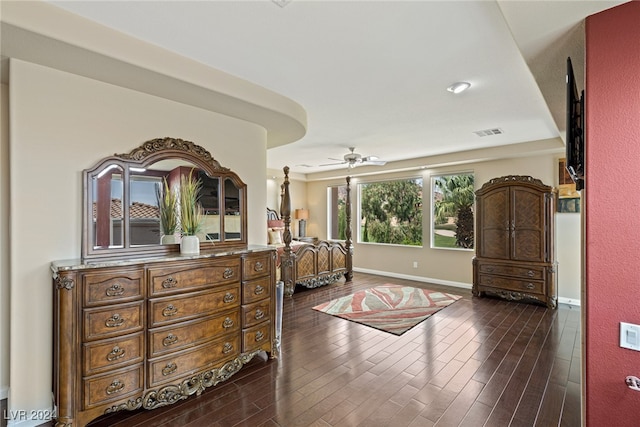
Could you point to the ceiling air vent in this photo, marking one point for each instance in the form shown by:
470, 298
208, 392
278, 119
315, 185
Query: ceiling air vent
488, 132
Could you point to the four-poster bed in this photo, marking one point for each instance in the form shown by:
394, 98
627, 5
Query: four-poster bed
306, 264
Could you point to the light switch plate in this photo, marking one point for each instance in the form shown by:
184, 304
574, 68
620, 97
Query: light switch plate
630, 336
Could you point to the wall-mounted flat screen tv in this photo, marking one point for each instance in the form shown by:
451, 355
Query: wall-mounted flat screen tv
575, 129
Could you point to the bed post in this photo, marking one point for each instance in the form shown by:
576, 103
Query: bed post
287, 260
348, 243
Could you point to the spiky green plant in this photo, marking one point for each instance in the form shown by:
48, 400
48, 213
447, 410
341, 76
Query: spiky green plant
167, 205
190, 208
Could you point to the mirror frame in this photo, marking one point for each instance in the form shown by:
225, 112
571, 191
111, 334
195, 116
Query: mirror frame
143, 157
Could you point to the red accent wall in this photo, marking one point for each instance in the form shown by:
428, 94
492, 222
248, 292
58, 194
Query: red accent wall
612, 213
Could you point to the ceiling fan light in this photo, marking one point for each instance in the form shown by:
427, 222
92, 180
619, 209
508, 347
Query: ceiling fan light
459, 87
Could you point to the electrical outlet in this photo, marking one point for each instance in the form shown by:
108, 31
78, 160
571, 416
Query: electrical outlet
630, 336
415, 264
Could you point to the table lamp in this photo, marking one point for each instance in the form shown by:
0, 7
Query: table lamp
302, 215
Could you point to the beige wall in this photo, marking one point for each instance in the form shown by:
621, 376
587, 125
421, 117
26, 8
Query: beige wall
60, 124
445, 266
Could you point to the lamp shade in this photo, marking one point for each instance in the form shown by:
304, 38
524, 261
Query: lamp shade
302, 214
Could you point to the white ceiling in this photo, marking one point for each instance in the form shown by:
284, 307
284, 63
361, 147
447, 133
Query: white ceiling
373, 74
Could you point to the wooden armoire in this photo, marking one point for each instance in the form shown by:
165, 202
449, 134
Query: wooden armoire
515, 256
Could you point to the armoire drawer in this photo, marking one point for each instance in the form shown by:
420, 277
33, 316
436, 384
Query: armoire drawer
109, 287
172, 309
188, 277
526, 272
187, 334
174, 366
513, 284
113, 353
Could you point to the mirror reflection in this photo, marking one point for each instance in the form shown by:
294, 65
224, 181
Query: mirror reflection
150, 222
107, 208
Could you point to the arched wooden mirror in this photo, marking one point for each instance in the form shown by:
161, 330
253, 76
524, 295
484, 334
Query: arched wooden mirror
132, 181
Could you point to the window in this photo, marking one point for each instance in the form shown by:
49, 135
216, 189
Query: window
452, 225
391, 212
337, 200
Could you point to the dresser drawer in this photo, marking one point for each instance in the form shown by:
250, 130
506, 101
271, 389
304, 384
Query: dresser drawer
112, 386
109, 287
189, 362
526, 272
256, 266
195, 304
526, 286
173, 338
113, 353
257, 337
255, 313
106, 322
189, 276
256, 290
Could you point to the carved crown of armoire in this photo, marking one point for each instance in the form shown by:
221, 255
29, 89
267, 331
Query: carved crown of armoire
515, 256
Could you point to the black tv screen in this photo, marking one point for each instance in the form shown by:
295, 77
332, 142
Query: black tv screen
575, 130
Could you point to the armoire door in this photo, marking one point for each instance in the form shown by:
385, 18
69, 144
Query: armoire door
494, 221
527, 225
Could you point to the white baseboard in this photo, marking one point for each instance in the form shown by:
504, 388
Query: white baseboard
569, 301
4, 393
415, 278
561, 300
29, 417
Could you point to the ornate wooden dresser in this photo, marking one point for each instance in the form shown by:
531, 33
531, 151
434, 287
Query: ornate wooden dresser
515, 240
146, 333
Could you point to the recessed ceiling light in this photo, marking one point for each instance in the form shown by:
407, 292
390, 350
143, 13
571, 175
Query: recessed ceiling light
459, 87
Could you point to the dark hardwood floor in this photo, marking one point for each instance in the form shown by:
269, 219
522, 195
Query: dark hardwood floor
478, 362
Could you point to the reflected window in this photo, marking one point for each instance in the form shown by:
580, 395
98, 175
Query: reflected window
144, 214
107, 208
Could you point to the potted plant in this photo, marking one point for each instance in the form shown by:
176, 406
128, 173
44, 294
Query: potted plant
168, 210
190, 213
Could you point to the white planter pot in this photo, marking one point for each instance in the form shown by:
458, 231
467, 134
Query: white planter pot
190, 245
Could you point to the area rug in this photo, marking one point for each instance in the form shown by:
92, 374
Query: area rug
390, 308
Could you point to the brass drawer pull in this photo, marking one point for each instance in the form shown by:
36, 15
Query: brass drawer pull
115, 387
169, 369
169, 311
530, 273
228, 348
115, 354
259, 314
228, 273
258, 266
115, 290
489, 269
259, 290
228, 323
229, 297
114, 321
259, 336
530, 286
170, 282
169, 340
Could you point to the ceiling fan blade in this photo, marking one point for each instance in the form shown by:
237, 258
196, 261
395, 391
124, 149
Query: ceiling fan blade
375, 162
333, 164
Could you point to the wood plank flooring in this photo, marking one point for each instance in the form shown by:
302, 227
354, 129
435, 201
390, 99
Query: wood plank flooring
478, 362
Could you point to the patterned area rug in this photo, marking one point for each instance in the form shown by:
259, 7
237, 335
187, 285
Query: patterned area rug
391, 308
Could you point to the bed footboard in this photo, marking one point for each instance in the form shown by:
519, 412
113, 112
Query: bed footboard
320, 264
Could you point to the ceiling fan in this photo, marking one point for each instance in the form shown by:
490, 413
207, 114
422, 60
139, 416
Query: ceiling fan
354, 159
